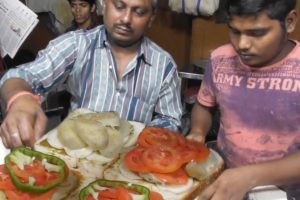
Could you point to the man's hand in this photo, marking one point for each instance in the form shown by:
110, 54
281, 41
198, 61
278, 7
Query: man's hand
232, 184
24, 123
196, 136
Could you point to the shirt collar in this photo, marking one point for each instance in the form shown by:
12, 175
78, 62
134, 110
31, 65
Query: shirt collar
144, 50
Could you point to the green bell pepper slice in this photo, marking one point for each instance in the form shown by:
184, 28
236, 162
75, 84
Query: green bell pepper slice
22, 156
92, 188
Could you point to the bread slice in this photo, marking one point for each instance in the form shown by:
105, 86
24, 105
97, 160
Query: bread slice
63, 190
213, 166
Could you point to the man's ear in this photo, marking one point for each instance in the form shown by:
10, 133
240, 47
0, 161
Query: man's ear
93, 9
152, 19
291, 21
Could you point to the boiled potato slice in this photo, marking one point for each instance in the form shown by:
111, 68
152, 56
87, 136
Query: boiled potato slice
104, 118
67, 135
115, 143
93, 133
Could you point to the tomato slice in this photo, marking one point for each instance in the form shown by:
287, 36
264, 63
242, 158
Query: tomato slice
20, 195
178, 177
37, 171
5, 180
123, 194
202, 152
155, 196
161, 159
159, 136
107, 193
133, 160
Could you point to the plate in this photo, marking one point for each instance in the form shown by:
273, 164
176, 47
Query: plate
3, 152
268, 192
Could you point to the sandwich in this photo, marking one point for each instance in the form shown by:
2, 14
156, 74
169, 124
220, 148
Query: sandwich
89, 142
102, 147
117, 190
166, 162
32, 175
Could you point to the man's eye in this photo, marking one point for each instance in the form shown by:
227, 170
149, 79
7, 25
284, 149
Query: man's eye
257, 33
140, 12
119, 6
235, 32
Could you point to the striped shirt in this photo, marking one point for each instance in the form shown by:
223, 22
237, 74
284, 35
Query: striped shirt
148, 91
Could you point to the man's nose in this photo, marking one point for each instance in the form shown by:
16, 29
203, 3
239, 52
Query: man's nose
244, 42
77, 9
126, 17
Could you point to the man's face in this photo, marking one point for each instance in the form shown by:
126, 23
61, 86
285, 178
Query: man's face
127, 20
259, 40
82, 11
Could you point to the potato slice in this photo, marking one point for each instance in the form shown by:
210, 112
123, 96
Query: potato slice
115, 143
104, 118
93, 133
67, 135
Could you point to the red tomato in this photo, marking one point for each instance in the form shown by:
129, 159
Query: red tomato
16, 195
123, 194
155, 196
178, 177
37, 171
161, 159
133, 160
159, 136
201, 150
5, 180
107, 193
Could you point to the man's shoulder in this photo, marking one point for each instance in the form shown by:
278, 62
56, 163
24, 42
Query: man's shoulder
154, 49
226, 50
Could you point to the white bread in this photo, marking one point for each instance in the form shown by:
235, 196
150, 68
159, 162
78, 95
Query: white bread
91, 165
213, 167
63, 191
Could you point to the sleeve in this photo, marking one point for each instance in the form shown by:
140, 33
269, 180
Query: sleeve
48, 69
206, 95
168, 110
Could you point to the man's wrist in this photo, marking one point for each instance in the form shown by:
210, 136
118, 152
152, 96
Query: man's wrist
14, 97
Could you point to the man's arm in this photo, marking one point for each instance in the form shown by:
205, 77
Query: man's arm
169, 108
25, 120
236, 182
201, 122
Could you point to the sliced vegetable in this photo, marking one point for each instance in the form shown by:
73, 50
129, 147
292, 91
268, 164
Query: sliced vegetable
133, 160
35, 172
178, 177
118, 190
161, 159
159, 136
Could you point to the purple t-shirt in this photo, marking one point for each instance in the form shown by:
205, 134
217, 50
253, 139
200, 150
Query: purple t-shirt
260, 107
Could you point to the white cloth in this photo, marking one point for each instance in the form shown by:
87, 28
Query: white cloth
195, 7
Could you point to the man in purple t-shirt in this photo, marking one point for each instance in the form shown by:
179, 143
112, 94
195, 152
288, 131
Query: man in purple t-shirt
255, 82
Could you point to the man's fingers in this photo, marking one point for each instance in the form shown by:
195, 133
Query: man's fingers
208, 193
40, 126
14, 137
27, 132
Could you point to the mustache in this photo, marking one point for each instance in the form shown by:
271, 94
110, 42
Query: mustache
123, 26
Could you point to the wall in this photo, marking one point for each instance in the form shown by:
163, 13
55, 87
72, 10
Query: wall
207, 35
172, 31
187, 39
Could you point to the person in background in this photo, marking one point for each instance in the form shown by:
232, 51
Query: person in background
255, 81
83, 11
113, 67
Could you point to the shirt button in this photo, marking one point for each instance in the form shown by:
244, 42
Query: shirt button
110, 67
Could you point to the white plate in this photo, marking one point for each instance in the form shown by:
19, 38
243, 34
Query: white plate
269, 192
3, 152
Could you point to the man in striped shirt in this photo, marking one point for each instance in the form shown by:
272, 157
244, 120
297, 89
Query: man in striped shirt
108, 68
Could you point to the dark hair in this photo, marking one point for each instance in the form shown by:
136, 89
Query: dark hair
275, 9
91, 2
